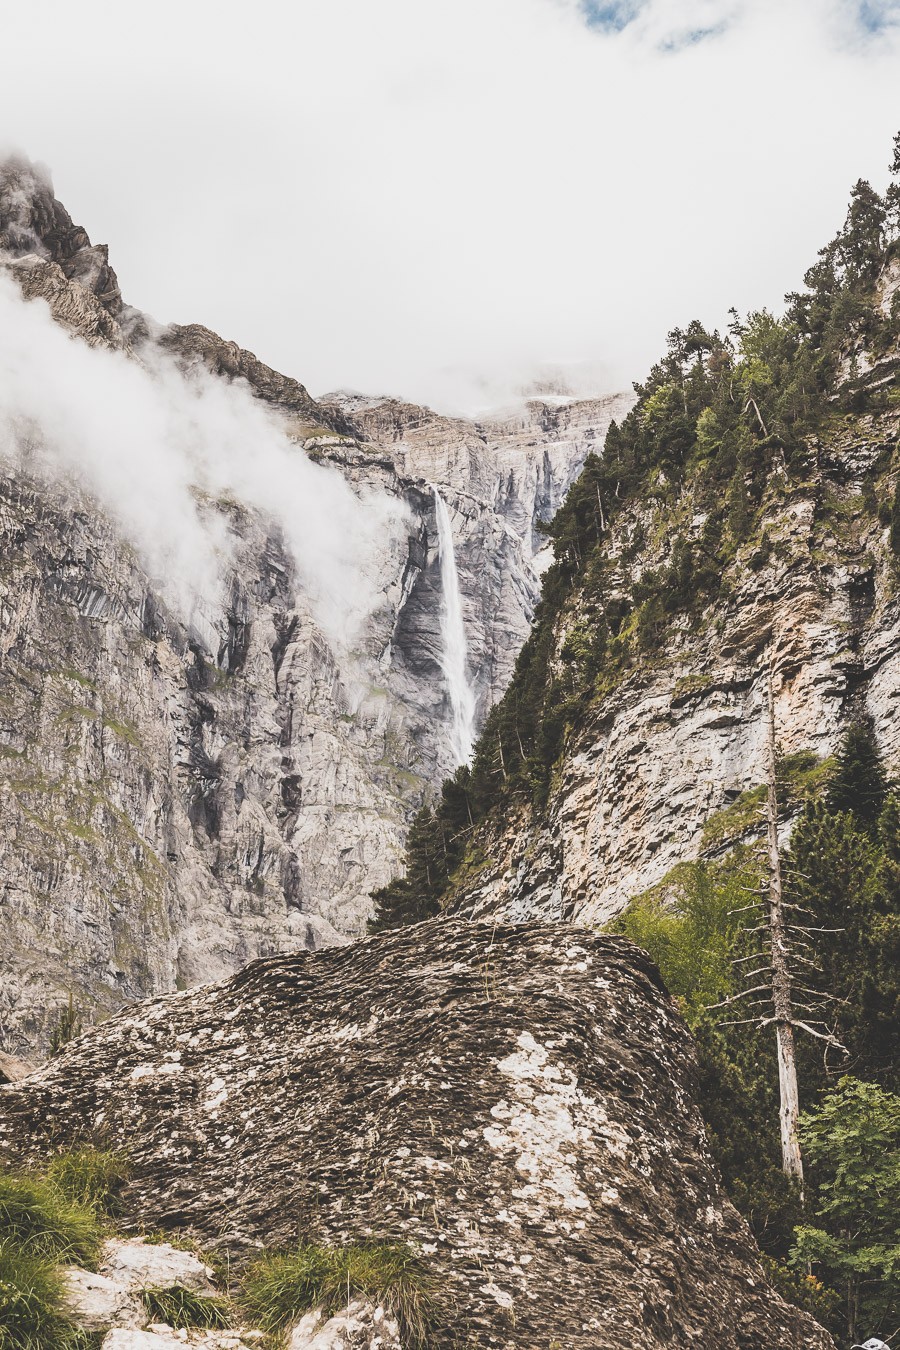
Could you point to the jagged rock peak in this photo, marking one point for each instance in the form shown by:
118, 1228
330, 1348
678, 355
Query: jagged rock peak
517, 1101
32, 221
36, 231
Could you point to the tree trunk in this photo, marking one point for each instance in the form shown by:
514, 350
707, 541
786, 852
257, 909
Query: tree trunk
792, 1163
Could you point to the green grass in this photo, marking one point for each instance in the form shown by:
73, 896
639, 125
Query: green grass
282, 1286
32, 1308
743, 814
179, 1307
40, 1221
88, 1177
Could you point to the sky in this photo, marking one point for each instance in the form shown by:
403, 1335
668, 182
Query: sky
447, 201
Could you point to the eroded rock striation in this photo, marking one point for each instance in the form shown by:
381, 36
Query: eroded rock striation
517, 1101
177, 799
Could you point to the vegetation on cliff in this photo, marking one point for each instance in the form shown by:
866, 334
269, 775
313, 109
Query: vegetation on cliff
654, 534
648, 546
843, 868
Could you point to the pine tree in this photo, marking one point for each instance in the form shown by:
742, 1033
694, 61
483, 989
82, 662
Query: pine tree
859, 785
413, 897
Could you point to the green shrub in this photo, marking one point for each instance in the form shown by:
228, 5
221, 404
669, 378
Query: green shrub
805, 1291
36, 1218
88, 1177
282, 1286
32, 1310
179, 1307
690, 926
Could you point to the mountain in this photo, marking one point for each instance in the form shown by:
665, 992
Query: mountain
741, 519
699, 749
188, 787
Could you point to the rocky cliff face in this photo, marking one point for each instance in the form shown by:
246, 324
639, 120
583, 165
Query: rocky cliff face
177, 800
515, 1101
670, 741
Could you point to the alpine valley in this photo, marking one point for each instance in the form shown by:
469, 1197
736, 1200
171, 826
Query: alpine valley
379, 910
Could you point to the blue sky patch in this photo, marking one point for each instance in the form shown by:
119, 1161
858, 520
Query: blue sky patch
875, 15
610, 16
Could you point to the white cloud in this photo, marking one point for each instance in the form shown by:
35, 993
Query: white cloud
414, 197
158, 449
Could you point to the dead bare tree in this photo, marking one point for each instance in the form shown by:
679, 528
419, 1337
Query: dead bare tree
783, 942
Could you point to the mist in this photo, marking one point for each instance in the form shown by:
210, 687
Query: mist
158, 448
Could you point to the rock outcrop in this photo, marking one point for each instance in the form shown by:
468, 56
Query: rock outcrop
175, 802
647, 778
515, 1101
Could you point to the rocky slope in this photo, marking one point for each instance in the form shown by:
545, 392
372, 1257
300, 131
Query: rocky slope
668, 732
515, 1101
177, 799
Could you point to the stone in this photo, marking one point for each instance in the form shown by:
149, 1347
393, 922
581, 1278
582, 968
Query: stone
12, 1069
360, 1326
647, 771
137, 1264
517, 1101
121, 1338
98, 1302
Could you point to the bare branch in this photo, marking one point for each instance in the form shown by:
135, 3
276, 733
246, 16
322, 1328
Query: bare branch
733, 998
823, 1036
749, 1021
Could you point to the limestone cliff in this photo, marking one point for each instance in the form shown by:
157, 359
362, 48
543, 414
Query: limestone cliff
663, 613
517, 1102
176, 799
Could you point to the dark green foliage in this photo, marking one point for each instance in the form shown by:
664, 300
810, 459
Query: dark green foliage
180, 1307
284, 1285
843, 867
805, 1291
690, 928
33, 1315
851, 882
852, 1143
894, 519
38, 1220
859, 785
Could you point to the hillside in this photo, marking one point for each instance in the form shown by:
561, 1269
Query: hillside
740, 514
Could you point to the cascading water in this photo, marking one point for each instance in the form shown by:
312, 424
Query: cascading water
454, 651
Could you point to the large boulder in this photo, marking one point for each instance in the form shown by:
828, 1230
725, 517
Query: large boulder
516, 1101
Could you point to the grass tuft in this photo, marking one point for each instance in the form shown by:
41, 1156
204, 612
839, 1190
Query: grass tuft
179, 1307
279, 1288
88, 1177
41, 1222
33, 1314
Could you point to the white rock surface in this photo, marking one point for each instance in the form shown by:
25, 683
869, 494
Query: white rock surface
98, 1302
361, 1326
121, 1338
136, 1264
682, 736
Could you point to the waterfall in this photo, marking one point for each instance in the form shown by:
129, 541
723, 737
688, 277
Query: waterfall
454, 651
